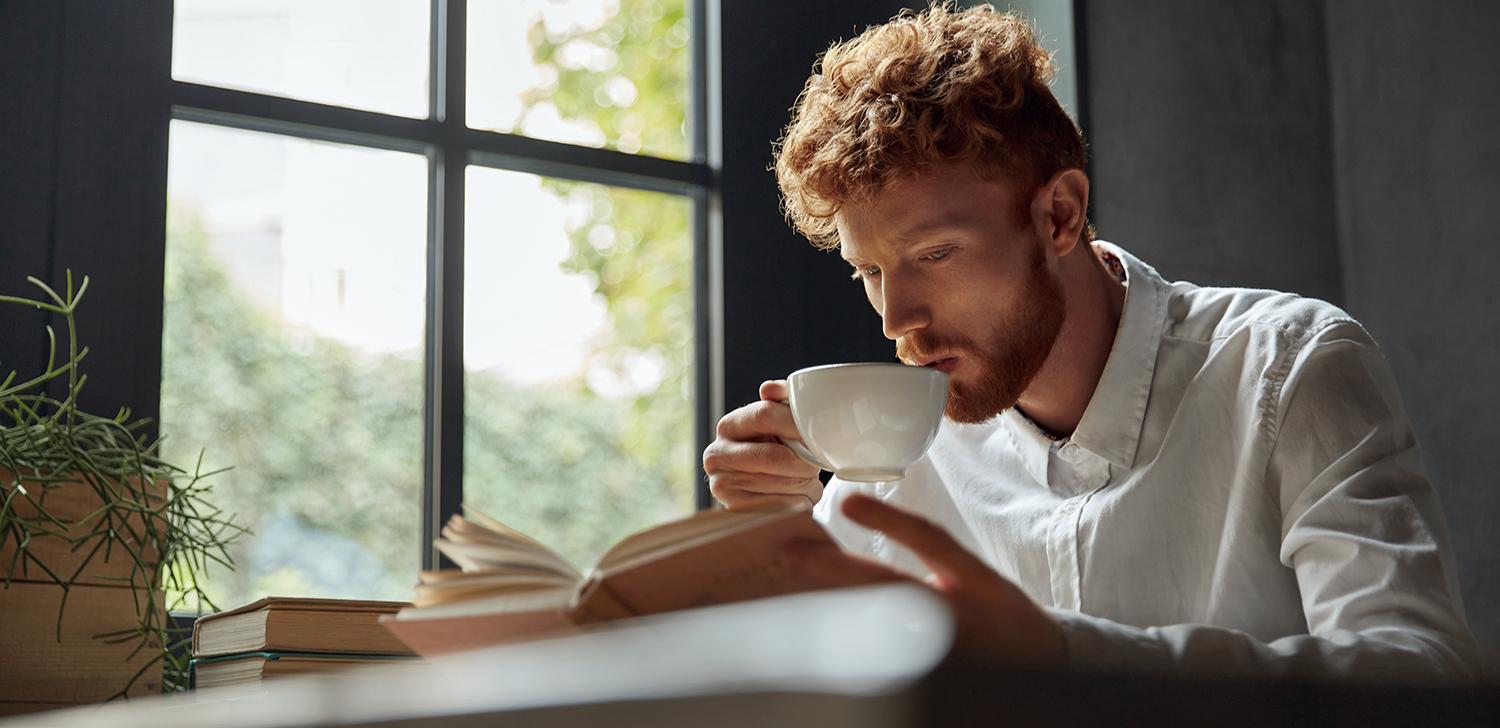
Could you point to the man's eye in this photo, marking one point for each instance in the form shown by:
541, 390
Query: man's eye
939, 254
868, 271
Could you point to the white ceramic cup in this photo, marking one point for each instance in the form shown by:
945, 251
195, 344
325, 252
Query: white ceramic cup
866, 422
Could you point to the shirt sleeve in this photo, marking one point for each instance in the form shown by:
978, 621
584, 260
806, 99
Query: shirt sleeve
1361, 526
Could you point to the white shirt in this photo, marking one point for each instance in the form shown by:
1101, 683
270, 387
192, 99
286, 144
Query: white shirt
1244, 495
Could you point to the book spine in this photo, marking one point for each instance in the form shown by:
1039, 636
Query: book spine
597, 602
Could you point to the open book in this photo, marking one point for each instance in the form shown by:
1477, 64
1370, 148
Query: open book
511, 587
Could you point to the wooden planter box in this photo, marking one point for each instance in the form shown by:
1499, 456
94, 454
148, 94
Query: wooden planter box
40, 672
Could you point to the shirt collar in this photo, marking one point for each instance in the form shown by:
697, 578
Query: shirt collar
1029, 443
1112, 422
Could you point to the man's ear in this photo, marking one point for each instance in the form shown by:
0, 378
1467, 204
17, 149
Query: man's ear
1059, 210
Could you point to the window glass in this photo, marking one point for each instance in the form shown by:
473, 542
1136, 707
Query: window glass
600, 73
578, 353
365, 54
292, 348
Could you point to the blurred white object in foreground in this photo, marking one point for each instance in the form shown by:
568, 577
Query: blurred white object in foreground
844, 657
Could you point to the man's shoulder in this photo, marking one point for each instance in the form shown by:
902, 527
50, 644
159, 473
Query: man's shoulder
1211, 314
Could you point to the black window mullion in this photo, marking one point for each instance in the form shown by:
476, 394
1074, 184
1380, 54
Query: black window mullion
432, 410
583, 164
432, 380
444, 396
704, 125
313, 120
296, 117
706, 371
703, 80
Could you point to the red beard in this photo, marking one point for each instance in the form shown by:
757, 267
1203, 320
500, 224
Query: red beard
1021, 339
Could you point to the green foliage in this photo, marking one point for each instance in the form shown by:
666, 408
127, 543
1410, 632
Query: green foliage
322, 436
555, 462
635, 245
638, 100
48, 444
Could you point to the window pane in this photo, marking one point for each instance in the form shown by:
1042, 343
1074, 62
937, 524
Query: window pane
292, 350
593, 72
366, 54
578, 351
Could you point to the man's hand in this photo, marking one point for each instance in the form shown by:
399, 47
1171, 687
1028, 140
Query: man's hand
996, 622
748, 469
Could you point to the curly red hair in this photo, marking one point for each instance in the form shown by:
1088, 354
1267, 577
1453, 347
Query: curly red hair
935, 86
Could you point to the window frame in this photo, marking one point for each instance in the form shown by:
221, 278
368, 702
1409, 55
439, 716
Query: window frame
450, 146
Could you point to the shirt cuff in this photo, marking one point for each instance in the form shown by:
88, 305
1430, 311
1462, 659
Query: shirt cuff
1099, 645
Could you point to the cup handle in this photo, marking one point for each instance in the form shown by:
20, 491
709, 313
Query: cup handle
806, 454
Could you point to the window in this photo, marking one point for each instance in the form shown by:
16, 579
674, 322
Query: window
428, 252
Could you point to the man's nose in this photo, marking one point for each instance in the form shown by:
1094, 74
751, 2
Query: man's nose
903, 309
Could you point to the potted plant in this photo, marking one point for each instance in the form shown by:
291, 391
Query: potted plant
95, 531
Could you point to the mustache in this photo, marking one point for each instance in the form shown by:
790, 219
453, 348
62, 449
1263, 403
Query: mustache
916, 347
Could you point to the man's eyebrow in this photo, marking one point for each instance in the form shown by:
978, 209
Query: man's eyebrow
927, 227
918, 230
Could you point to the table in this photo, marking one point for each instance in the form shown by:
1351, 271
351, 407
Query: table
869, 657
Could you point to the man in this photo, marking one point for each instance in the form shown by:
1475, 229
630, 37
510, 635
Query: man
1134, 474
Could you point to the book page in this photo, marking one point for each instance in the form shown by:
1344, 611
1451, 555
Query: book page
480, 543
443, 587
555, 600
492, 557
681, 534
480, 527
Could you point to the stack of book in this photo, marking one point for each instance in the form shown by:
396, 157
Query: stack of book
511, 587
279, 636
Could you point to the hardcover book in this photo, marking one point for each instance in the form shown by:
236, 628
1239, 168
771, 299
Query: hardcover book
294, 624
226, 670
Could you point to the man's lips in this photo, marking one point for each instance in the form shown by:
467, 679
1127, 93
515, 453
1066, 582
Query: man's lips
944, 364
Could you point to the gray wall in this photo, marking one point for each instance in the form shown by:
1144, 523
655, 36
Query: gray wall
1343, 149
1208, 126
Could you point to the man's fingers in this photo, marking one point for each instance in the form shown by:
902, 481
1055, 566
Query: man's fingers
769, 458
747, 467
774, 390
742, 502
758, 421
730, 484
948, 560
826, 564
994, 618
